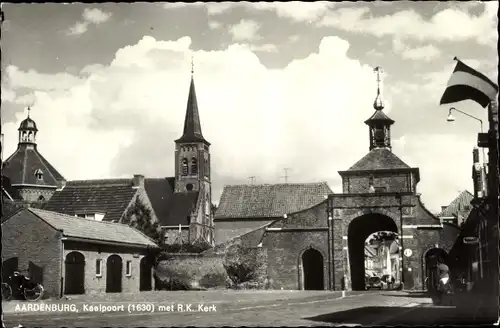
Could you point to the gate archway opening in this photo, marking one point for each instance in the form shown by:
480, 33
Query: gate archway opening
432, 258
146, 274
74, 276
357, 233
114, 268
313, 269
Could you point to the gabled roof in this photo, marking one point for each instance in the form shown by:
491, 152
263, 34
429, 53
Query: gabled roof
269, 200
460, 204
181, 207
192, 124
92, 230
109, 196
160, 191
21, 166
377, 159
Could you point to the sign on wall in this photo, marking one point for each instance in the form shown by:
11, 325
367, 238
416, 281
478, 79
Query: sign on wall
408, 252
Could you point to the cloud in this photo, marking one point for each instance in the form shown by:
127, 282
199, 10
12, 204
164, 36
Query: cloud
409, 24
122, 118
90, 16
267, 47
245, 30
296, 10
425, 53
213, 25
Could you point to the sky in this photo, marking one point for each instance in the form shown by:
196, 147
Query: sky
279, 85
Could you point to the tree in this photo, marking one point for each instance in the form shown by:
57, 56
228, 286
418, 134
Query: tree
139, 216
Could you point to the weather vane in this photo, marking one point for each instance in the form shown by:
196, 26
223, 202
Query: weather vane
378, 104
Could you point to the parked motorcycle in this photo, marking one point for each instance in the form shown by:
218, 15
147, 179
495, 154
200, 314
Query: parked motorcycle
22, 286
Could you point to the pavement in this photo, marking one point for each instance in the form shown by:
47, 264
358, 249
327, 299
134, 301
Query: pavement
237, 308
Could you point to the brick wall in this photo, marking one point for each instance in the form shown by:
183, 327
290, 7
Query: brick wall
93, 252
192, 268
29, 238
392, 183
32, 195
285, 247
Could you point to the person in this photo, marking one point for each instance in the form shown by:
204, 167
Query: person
444, 285
393, 280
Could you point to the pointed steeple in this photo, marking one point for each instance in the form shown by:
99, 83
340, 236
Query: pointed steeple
192, 124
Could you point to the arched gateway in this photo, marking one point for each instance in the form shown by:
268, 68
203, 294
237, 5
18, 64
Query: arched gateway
379, 193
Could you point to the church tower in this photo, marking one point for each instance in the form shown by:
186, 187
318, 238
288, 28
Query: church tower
192, 165
379, 123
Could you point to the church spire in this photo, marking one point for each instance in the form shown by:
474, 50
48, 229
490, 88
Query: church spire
192, 124
27, 130
379, 122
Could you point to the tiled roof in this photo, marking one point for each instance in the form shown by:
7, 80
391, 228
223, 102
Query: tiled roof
8, 190
379, 158
21, 166
460, 204
109, 196
269, 200
89, 229
180, 208
160, 191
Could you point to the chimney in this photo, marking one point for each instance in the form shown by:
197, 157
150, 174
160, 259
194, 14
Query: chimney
138, 181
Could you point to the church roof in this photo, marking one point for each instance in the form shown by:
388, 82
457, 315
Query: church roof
269, 200
90, 229
379, 159
28, 124
192, 124
108, 196
171, 208
460, 204
21, 166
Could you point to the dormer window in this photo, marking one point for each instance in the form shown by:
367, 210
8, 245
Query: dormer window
39, 175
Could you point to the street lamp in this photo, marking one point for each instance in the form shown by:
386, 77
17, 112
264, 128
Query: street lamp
451, 118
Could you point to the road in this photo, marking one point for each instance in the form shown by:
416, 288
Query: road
298, 309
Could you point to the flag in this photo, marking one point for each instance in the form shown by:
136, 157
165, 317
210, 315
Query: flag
467, 83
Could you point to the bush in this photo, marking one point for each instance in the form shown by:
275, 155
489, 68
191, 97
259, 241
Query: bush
213, 280
240, 265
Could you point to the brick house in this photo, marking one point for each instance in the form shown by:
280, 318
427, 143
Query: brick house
243, 208
182, 205
71, 255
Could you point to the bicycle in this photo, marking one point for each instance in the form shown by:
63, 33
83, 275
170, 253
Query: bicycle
23, 286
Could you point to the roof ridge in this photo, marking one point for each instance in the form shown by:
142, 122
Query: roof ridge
76, 217
49, 166
24, 165
279, 184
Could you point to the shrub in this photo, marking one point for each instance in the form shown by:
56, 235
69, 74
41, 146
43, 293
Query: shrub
213, 279
196, 247
240, 265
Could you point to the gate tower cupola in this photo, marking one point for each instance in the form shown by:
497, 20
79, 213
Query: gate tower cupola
379, 123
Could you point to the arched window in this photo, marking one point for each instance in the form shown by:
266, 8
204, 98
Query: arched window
184, 168
41, 198
39, 174
194, 166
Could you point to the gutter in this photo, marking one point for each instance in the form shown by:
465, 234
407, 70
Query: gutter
105, 242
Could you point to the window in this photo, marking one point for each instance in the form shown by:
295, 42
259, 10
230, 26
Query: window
184, 167
379, 189
129, 269
39, 174
41, 198
80, 215
98, 268
194, 166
